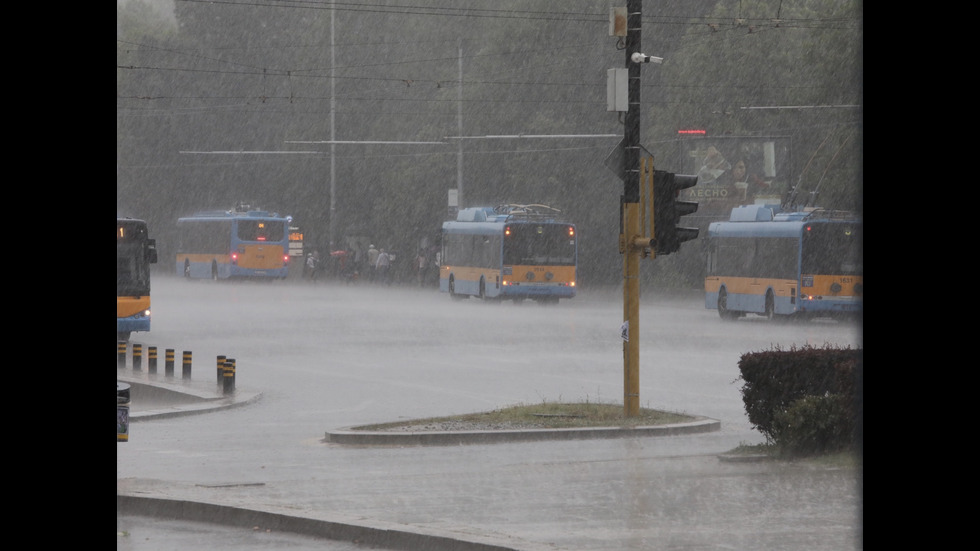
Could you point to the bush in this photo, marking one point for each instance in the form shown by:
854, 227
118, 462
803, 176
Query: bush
804, 400
815, 425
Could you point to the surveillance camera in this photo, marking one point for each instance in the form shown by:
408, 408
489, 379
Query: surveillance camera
641, 58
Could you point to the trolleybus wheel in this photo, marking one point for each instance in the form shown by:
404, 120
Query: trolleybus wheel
723, 310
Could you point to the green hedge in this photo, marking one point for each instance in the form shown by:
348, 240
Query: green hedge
804, 400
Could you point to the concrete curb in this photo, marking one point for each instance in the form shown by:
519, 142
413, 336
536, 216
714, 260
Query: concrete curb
156, 398
452, 438
240, 399
384, 535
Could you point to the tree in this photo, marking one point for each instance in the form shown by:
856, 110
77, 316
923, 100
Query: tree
745, 59
253, 76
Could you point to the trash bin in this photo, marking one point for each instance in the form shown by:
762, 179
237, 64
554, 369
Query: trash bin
122, 412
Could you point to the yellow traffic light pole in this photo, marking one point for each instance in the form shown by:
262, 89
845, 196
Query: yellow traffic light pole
629, 214
631, 312
634, 246
637, 211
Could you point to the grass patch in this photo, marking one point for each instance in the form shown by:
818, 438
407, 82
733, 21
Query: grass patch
754, 449
843, 460
550, 415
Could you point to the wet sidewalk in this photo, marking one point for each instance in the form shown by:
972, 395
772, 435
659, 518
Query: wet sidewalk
155, 395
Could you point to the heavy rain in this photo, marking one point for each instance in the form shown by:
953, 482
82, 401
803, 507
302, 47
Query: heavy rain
372, 123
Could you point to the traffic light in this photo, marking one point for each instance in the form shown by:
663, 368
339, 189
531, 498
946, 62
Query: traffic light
667, 211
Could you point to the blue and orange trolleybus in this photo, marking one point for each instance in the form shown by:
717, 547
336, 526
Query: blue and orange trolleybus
135, 251
512, 252
239, 243
770, 263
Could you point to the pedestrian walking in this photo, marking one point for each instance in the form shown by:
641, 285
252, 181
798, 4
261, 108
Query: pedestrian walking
422, 267
383, 268
372, 259
313, 264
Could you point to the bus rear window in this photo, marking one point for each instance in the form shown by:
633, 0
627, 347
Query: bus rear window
261, 230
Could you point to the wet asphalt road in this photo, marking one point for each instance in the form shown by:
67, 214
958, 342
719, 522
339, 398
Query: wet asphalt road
325, 358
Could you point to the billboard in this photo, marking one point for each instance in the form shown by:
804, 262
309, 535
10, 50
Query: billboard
733, 171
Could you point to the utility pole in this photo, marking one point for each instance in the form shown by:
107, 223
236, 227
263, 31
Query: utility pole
634, 244
333, 137
630, 217
459, 123
648, 213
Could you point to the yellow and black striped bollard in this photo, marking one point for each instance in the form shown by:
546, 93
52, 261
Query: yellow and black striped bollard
221, 369
151, 362
187, 365
168, 365
137, 356
229, 376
